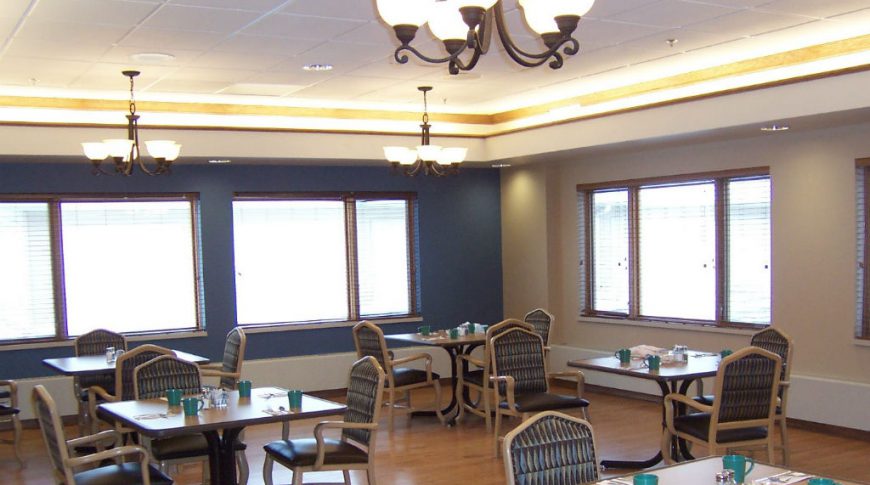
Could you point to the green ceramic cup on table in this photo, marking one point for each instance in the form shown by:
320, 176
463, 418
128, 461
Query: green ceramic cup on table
624, 355
725, 353
454, 333
294, 396
244, 388
822, 481
173, 397
737, 463
424, 330
192, 405
646, 479
654, 362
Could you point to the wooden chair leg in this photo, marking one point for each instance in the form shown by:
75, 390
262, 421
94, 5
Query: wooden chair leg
297, 477
346, 475
392, 394
487, 396
783, 430
437, 402
495, 434
242, 466
666, 446
267, 470
370, 474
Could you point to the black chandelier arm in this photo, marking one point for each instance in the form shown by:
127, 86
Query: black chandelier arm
402, 58
531, 59
457, 64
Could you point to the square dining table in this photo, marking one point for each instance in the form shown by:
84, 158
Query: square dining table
82, 365
220, 426
674, 377
703, 471
453, 346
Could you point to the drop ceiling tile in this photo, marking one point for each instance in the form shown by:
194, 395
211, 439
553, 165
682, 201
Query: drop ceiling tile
296, 78
815, 8
749, 22
285, 46
373, 32
24, 71
111, 12
671, 14
13, 9
337, 9
343, 56
189, 86
124, 55
604, 9
302, 27
200, 19
226, 76
53, 49
343, 88
151, 40
606, 32
252, 61
388, 68
733, 3
108, 77
71, 33
250, 5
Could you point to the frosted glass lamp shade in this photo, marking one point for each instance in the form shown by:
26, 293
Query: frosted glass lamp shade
95, 150
401, 155
540, 15
484, 4
452, 155
428, 153
119, 147
165, 149
446, 22
404, 12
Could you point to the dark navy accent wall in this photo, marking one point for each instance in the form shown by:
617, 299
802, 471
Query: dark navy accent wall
459, 245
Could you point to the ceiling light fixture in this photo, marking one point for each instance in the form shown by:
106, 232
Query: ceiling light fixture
774, 128
467, 25
430, 159
125, 151
317, 67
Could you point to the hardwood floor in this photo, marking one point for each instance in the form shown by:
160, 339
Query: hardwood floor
423, 452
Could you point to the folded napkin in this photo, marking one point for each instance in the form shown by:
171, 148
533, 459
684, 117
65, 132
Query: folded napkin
615, 481
643, 351
781, 478
150, 416
270, 395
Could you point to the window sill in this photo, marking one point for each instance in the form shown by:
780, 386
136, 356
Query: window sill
690, 327
859, 342
147, 337
291, 327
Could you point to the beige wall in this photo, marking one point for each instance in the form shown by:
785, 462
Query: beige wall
813, 216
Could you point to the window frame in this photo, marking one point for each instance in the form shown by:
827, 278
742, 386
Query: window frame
351, 251
862, 196
54, 202
719, 179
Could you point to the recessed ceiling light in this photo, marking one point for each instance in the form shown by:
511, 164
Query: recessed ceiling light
152, 57
774, 128
220, 161
501, 165
671, 42
317, 67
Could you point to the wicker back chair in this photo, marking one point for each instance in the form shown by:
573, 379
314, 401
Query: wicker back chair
551, 448
94, 342
64, 465
542, 320
151, 380
354, 451
776, 341
522, 383
477, 378
400, 381
743, 411
124, 366
230, 368
9, 413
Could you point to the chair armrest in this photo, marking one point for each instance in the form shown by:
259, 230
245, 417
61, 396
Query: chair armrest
13, 391
93, 392
324, 425
113, 454
218, 373
470, 359
211, 366
509, 383
423, 356
578, 375
681, 399
107, 435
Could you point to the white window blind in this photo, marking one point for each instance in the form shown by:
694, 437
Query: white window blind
26, 285
129, 266
384, 261
610, 291
862, 327
290, 260
677, 243
748, 246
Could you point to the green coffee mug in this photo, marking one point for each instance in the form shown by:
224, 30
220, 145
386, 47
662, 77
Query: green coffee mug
192, 405
725, 353
654, 362
646, 479
244, 388
424, 330
822, 481
624, 355
173, 397
738, 464
454, 333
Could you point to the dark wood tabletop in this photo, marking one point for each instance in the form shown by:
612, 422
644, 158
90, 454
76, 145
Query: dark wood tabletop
439, 338
96, 364
699, 364
154, 418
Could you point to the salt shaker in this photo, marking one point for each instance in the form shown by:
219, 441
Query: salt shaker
725, 477
110, 355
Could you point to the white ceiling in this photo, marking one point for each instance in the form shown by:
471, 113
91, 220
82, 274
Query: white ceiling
225, 48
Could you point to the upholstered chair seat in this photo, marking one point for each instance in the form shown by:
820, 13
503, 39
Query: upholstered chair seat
544, 401
120, 474
9, 413
698, 425
303, 452
405, 376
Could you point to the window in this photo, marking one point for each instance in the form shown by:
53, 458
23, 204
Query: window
314, 258
862, 312
692, 249
73, 264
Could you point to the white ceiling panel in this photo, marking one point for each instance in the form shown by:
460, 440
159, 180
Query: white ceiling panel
151, 40
252, 61
108, 77
608, 32
606, 9
13, 9
343, 88
815, 8
250, 5
200, 19
338, 9
22, 71
303, 27
671, 14
749, 22
283, 46
110, 12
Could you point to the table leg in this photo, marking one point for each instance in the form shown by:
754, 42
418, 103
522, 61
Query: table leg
452, 353
650, 462
221, 456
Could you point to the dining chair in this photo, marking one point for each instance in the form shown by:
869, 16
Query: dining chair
151, 380
9, 413
477, 378
542, 320
521, 380
355, 449
552, 448
780, 343
91, 468
229, 370
369, 341
743, 410
94, 342
124, 366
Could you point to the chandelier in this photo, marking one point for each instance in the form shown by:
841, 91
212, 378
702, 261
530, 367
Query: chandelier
124, 152
465, 26
430, 159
